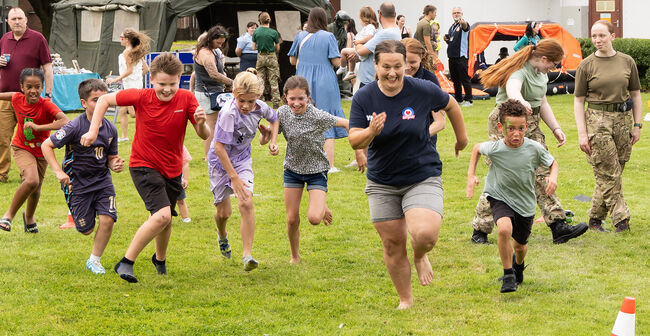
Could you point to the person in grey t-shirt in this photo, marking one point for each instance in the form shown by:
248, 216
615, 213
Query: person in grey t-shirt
305, 162
510, 186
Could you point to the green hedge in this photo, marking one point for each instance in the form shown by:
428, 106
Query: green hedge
639, 49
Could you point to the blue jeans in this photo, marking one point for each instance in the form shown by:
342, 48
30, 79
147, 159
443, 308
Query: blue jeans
313, 181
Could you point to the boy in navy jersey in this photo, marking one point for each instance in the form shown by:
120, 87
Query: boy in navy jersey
84, 176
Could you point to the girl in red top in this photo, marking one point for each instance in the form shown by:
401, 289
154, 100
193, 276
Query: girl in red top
36, 118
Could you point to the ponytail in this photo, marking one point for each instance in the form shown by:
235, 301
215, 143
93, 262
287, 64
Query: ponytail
498, 74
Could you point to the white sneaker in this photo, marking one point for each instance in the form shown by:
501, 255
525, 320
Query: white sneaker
186, 220
352, 164
122, 139
466, 104
95, 267
249, 263
333, 170
341, 70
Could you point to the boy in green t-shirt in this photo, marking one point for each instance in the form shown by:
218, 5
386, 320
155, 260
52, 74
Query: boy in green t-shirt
510, 187
266, 41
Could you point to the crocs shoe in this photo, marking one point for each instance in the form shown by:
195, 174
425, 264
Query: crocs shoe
95, 267
224, 247
249, 263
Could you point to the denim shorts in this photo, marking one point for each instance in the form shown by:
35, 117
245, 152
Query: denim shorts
313, 181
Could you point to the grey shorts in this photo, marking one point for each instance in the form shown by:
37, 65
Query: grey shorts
389, 202
204, 102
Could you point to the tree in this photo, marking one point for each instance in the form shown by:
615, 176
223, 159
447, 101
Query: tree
45, 12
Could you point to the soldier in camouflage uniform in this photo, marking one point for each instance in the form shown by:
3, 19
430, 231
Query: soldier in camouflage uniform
608, 81
266, 41
527, 83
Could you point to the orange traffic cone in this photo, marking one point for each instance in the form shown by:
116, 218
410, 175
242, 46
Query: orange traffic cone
69, 224
624, 325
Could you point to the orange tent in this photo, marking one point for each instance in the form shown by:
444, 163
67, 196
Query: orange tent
482, 33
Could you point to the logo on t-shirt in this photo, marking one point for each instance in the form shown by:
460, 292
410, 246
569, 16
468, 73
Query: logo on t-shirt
60, 134
408, 114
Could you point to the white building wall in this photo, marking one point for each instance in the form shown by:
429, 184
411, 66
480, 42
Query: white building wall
635, 14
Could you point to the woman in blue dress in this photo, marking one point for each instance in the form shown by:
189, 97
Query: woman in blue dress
314, 52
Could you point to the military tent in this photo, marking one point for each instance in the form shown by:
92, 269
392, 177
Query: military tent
89, 30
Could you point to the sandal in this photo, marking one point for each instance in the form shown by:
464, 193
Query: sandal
30, 228
5, 224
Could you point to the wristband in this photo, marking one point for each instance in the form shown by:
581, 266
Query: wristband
639, 125
555, 129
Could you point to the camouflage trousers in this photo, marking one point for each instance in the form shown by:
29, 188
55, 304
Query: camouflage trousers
549, 205
268, 70
609, 139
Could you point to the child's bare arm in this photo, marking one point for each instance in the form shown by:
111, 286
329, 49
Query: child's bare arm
6, 95
61, 120
186, 174
551, 180
273, 143
115, 163
363, 40
100, 110
238, 185
48, 153
201, 128
472, 180
438, 124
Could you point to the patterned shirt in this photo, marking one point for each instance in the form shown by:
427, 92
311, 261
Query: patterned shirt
305, 139
237, 130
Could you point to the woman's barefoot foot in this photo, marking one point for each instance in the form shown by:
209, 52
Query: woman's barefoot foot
294, 261
405, 304
425, 273
327, 219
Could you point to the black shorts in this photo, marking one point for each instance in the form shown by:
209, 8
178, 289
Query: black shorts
521, 225
85, 207
155, 190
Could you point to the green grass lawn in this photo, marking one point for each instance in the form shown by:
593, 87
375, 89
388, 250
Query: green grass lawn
341, 285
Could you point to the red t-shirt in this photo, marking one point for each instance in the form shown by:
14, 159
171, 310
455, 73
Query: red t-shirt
30, 51
159, 128
41, 113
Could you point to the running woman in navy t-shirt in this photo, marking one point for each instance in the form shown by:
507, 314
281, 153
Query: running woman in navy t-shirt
85, 177
404, 188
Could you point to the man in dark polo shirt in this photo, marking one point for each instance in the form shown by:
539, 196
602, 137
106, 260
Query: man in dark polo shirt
457, 52
19, 49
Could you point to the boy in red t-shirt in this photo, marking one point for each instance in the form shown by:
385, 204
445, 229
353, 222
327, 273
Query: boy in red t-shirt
36, 118
156, 153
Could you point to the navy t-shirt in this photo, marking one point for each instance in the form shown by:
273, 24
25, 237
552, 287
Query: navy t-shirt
87, 166
402, 154
425, 74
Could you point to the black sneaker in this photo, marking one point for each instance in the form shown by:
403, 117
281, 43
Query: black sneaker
161, 267
479, 237
519, 270
125, 271
509, 283
562, 231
